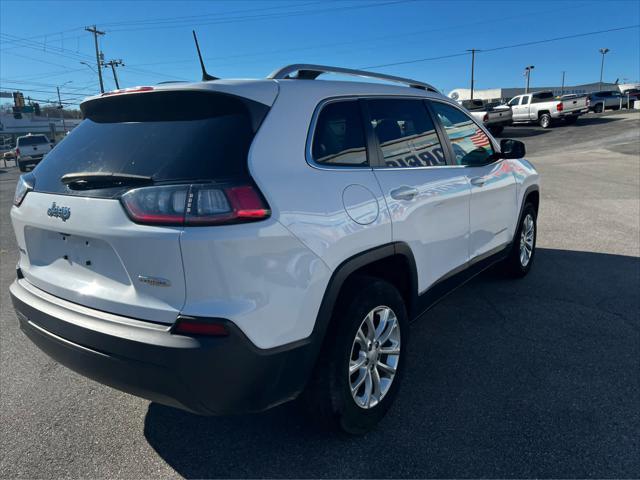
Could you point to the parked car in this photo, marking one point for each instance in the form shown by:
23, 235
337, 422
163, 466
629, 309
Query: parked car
494, 117
179, 246
543, 108
30, 150
600, 101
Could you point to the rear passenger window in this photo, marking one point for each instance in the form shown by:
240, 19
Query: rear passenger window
406, 134
339, 138
471, 146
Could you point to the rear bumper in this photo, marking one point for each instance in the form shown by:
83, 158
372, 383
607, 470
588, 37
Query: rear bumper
204, 375
30, 160
499, 123
573, 113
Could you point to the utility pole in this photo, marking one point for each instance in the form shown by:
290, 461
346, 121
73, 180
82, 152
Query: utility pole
527, 72
97, 32
562, 88
113, 64
473, 62
603, 51
64, 126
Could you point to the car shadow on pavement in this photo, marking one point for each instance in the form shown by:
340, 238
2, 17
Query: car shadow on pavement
595, 120
505, 378
522, 132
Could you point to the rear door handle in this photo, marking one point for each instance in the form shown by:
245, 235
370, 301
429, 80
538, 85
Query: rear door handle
404, 193
478, 181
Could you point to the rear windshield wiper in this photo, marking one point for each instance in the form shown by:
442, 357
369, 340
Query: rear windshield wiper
92, 180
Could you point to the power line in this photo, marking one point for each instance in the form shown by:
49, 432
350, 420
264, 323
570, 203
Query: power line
245, 18
516, 45
366, 40
41, 46
215, 14
52, 34
73, 94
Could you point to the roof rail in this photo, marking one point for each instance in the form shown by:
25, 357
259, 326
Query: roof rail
311, 72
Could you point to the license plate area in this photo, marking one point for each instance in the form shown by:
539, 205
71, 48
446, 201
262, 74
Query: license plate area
78, 255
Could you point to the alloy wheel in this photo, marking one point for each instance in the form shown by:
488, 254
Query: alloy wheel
527, 236
375, 355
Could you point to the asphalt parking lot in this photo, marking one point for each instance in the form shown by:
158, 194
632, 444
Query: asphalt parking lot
532, 378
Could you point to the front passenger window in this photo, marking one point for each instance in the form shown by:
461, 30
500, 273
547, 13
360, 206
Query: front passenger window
471, 146
406, 133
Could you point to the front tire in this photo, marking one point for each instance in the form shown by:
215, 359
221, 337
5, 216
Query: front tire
523, 250
545, 120
360, 368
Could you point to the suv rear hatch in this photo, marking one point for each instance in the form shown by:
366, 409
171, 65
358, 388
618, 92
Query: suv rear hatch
78, 242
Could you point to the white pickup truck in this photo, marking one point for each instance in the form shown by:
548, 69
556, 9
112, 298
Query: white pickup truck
495, 117
543, 108
30, 149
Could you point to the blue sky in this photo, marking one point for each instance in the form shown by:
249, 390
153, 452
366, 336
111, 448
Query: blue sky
250, 38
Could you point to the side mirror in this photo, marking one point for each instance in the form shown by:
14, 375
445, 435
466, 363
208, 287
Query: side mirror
512, 148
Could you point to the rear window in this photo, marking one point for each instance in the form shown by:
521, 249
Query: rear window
169, 136
32, 140
541, 97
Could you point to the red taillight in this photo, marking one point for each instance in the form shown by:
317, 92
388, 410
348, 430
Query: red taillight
560, 107
485, 119
246, 202
195, 204
189, 326
127, 90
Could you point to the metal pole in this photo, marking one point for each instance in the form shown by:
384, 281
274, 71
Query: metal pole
562, 88
603, 51
526, 90
64, 125
113, 64
97, 32
473, 61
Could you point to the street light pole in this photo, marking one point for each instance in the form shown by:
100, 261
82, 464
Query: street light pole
527, 72
562, 88
603, 51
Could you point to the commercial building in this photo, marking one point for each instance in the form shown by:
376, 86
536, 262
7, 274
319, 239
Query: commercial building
505, 94
12, 128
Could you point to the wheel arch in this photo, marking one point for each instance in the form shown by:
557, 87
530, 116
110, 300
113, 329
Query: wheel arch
373, 262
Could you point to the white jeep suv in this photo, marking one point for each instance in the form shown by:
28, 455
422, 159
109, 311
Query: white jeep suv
224, 246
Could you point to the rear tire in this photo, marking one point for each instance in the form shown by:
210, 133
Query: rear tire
545, 120
349, 389
523, 249
598, 108
22, 167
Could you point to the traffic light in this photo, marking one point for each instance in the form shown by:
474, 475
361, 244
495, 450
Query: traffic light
18, 99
